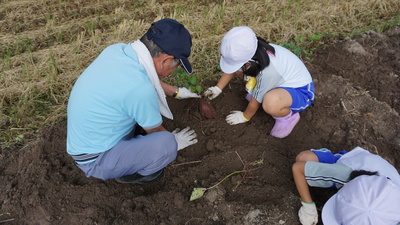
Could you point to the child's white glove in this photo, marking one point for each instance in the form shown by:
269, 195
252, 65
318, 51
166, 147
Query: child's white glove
236, 117
185, 137
185, 93
212, 92
308, 214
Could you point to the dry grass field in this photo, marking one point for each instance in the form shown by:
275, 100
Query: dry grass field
46, 44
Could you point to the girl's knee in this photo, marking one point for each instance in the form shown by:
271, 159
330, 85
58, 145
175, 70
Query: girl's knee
298, 167
270, 103
274, 104
307, 155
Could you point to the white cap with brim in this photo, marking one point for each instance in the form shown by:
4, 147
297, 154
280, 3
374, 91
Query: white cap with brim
238, 46
364, 200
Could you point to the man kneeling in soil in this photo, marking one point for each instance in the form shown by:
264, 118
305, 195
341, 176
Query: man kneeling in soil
369, 187
119, 94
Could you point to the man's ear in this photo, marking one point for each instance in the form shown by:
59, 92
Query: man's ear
161, 61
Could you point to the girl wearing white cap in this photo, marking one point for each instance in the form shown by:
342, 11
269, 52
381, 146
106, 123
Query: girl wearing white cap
283, 85
369, 187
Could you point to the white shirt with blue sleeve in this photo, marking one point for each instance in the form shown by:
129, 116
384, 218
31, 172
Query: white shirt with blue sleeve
285, 70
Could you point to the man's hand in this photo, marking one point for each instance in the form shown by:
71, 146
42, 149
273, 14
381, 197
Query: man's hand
308, 214
212, 92
185, 93
185, 137
236, 117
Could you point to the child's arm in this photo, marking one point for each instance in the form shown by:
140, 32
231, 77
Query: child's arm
299, 176
224, 80
214, 91
251, 109
308, 212
300, 181
237, 117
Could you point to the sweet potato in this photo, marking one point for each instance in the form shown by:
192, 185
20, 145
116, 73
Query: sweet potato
206, 109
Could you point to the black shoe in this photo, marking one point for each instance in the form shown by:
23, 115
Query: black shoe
136, 178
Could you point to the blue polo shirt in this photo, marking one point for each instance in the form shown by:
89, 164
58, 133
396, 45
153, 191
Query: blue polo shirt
109, 98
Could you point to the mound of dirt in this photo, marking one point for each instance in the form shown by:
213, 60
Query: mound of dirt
357, 104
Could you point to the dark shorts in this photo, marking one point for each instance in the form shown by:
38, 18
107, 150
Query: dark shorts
327, 172
326, 156
302, 97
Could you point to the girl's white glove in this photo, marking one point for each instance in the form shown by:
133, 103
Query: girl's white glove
212, 92
185, 93
185, 137
236, 117
308, 214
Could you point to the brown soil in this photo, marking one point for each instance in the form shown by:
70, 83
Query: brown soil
357, 104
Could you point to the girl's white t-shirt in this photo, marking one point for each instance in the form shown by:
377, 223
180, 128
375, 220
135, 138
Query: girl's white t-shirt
285, 70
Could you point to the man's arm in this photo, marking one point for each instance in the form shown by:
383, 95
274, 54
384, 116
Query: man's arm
168, 89
178, 92
157, 129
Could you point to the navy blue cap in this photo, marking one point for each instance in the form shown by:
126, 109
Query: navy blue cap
174, 39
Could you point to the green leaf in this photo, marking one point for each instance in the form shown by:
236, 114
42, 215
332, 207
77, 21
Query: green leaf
197, 193
186, 85
193, 80
301, 38
179, 70
199, 88
316, 37
297, 51
289, 46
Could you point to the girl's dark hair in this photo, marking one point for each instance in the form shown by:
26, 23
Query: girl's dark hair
356, 173
260, 60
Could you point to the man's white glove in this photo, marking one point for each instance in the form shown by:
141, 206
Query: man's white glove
185, 137
183, 93
212, 92
236, 117
308, 214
